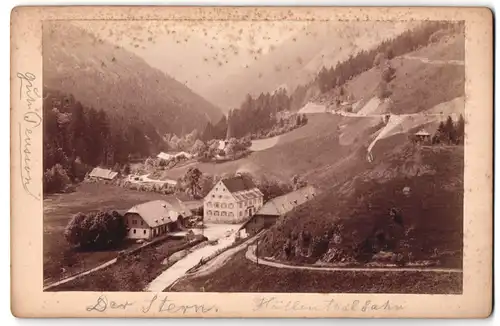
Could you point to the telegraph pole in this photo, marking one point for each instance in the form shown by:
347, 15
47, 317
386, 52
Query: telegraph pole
257, 251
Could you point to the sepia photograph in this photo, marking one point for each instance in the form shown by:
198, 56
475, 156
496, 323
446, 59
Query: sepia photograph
253, 157
251, 162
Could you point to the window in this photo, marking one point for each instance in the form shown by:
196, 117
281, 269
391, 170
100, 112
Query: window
142, 222
134, 222
209, 204
231, 206
209, 212
213, 196
241, 213
216, 189
240, 204
223, 205
220, 196
134, 231
216, 213
223, 214
231, 214
216, 205
144, 231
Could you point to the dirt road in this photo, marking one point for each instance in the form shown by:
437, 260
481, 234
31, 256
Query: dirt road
250, 255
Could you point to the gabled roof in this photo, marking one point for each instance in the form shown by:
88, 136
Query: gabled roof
284, 204
103, 173
164, 156
422, 133
239, 183
160, 212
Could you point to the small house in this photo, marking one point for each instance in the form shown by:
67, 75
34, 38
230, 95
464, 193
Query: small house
165, 156
422, 136
267, 215
103, 174
155, 218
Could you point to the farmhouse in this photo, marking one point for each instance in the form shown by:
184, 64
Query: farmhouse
155, 218
232, 200
169, 156
267, 215
104, 174
423, 135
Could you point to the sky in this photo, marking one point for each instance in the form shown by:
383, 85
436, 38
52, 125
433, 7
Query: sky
196, 53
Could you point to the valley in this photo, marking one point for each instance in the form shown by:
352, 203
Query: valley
375, 127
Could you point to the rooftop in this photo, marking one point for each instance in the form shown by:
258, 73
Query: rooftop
159, 212
103, 173
239, 183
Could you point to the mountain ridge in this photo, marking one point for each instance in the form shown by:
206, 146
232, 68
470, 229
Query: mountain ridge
74, 61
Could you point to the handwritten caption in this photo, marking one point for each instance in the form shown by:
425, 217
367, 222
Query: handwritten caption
158, 304
28, 95
164, 304
276, 304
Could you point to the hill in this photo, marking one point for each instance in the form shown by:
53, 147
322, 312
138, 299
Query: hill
107, 77
363, 209
360, 225
297, 60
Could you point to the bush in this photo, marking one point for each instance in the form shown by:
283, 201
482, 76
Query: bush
55, 179
96, 230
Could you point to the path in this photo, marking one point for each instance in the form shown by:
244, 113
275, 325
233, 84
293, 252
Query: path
221, 259
145, 179
250, 255
177, 270
71, 278
435, 62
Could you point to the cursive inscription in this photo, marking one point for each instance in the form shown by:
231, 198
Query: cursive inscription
103, 304
166, 305
154, 305
273, 303
28, 94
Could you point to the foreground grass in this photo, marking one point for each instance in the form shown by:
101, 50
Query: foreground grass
58, 210
133, 273
241, 275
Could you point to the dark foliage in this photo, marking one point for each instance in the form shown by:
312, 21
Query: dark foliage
96, 230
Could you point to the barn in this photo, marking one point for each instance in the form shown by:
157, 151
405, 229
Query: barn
267, 215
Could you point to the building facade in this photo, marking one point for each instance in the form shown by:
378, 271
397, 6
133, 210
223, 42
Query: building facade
232, 200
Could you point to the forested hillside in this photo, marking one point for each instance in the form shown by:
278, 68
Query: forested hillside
103, 76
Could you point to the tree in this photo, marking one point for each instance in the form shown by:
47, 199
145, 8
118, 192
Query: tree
388, 74
192, 182
199, 148
461, 130
55, 179
379, 59
298, 182
450, 131
96, 230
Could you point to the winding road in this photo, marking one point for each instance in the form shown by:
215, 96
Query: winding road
250, 255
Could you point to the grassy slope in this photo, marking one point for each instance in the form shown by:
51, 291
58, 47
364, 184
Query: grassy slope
298, 151
258, 278
131, 274
418, 86
58, 210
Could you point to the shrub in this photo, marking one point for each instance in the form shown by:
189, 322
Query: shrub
55, 179
96, 230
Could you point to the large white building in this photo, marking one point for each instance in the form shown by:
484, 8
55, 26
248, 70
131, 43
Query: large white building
232, 200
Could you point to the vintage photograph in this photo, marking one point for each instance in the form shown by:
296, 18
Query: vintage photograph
287, 156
